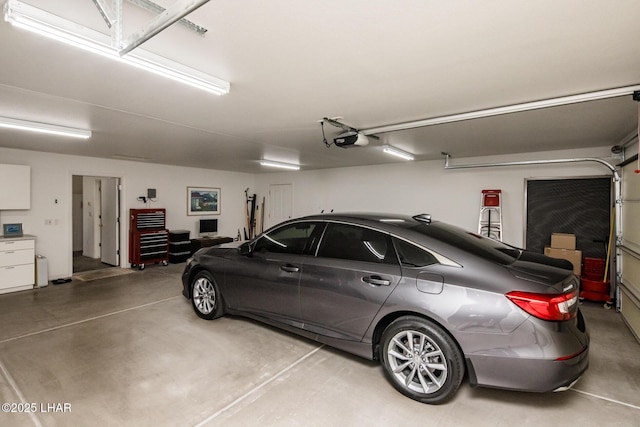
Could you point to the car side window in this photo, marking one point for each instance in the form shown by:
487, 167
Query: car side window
357, 243
288, 239
413, 256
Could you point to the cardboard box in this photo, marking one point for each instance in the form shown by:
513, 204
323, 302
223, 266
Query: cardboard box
563, 241
575, 257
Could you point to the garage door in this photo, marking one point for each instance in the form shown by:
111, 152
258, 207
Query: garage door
580, 206
630, 248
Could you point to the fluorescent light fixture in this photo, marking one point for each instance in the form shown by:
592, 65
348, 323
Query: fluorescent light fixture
289, 166
9, 123
397, 152
46, 24
516, 108
132, 158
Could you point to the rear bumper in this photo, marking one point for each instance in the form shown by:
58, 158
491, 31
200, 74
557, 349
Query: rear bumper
522, 374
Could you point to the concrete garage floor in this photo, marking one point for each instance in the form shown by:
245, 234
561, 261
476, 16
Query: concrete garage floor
129, 351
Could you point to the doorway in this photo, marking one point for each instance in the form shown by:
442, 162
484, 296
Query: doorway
280, 203
96, 223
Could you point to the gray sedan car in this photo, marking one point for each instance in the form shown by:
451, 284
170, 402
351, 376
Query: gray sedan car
430, 301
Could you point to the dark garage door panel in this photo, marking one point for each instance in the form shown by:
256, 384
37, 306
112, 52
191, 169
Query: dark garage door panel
580, 206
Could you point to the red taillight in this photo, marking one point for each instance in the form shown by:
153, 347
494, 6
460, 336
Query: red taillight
554, 307
571, 356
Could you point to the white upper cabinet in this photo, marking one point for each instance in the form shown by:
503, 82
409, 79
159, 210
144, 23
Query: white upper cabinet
15, 187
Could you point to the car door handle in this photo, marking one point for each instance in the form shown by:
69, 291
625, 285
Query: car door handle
376, 281
290, 268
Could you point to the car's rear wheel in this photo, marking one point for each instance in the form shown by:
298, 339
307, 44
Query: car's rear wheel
205, 296
421, 360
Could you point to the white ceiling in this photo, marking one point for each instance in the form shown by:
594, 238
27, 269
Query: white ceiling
292, 62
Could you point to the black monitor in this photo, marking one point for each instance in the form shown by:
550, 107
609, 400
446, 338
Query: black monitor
208, 227
12, 230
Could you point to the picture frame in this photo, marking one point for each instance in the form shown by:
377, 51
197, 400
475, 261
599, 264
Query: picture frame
203, 201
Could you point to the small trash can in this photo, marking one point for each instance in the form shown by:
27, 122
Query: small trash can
42, 274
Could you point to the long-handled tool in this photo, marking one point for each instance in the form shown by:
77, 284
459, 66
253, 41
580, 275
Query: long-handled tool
247, 216
252, 217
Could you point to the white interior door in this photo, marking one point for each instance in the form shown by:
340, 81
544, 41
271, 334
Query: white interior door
110, 221
280, 203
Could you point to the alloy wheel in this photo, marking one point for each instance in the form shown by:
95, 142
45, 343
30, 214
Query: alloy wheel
417, 362
204, 295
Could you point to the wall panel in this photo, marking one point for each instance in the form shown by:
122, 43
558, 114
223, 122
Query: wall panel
630, 248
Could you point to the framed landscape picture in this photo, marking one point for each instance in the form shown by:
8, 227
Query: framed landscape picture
203, 201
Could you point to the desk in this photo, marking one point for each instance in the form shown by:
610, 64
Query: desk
205, 242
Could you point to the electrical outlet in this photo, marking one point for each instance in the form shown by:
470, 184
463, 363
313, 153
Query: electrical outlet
48, 222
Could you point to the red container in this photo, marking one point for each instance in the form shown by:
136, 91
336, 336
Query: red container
491, 198
593, 268
594, 286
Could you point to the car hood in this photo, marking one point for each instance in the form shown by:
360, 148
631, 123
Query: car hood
230, 245
221, 249
541, 269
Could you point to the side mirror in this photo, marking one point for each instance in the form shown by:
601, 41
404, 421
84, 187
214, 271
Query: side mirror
245, 249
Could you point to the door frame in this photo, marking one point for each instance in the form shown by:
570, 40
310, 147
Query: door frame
122, 241
271, 205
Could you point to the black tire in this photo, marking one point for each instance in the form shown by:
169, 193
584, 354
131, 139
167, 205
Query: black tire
206, 299
421, 360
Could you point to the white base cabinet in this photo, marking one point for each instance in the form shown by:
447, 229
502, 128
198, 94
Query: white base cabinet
17, 264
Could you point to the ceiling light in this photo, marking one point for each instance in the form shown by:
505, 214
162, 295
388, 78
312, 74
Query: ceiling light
397, 152
46, 24
516, 108
289, 166
9, 123
132, 158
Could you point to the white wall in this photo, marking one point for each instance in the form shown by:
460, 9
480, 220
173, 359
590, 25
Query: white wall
51, 198
426, 187
415, 187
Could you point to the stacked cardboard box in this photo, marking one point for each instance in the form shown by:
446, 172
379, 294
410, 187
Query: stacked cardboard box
563, 246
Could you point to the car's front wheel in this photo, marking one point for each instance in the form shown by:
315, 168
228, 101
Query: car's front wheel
421, 360
205, 296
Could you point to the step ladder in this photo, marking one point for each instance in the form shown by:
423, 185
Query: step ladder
490, 220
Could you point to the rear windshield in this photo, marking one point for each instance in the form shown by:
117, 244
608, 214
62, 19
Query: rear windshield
475, 244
